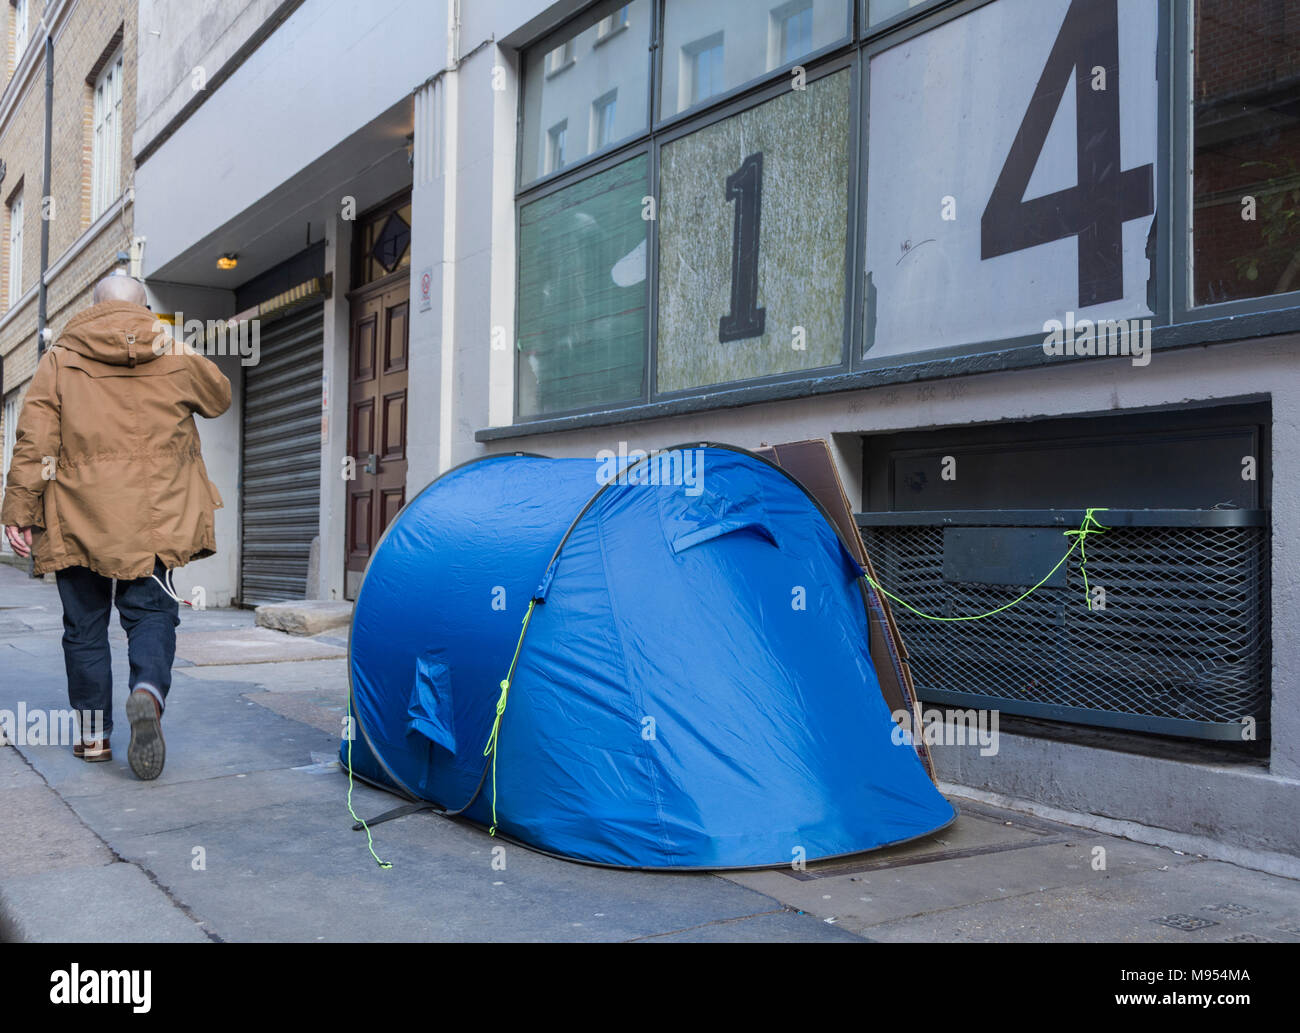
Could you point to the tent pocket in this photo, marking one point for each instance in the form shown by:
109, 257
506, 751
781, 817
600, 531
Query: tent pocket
430, 710
690, 520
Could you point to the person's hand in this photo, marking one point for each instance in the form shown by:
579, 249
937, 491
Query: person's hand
20, 540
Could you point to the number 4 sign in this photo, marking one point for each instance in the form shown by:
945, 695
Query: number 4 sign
1104, 198
1049, 189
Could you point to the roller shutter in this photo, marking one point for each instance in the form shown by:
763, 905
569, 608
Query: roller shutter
280, 479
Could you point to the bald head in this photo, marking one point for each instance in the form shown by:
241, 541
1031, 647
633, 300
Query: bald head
120, 288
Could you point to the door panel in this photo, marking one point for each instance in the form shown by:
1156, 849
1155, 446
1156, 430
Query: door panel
395, 339
395, 426
363, 350
377, 419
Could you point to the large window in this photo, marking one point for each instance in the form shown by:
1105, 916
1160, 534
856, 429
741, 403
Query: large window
19, 32
1037, 198
792, 37
600, 57
752, 236
1246, 164
604, 112
14, 252
10, 441
710, 48
582, 310
804, 195
106, 160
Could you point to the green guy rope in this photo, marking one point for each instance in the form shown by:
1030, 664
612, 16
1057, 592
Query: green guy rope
490, 750
370, 842
1089, 526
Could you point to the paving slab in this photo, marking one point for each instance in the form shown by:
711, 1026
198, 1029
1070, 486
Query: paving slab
38, 830
315, 880
1200, 902
250, 646
111, 903
120, 812
784, 925
323, 709
985, 856
211, 731
297, 676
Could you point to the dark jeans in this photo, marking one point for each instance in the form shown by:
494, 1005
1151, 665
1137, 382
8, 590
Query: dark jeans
149, 617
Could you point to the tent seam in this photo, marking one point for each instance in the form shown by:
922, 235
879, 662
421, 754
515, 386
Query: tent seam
664, 838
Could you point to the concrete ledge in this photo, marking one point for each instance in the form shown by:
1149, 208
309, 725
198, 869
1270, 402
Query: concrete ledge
308, 617
1243, 807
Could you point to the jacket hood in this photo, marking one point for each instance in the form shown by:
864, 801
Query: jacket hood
117, 333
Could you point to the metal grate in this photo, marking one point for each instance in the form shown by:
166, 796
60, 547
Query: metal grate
1180, 648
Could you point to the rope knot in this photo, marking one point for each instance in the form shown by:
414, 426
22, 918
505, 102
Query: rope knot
1090, 525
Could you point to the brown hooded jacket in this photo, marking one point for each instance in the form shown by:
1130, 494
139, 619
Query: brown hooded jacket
106, 464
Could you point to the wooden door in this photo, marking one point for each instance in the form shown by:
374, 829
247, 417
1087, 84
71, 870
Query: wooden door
376, 417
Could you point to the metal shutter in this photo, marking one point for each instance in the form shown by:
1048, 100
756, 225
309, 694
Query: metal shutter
280, 479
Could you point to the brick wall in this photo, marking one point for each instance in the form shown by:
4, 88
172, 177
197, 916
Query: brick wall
1244, 45
1247, 69
81, 49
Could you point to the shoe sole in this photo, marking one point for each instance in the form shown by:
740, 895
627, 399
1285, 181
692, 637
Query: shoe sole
97, 758
146, 752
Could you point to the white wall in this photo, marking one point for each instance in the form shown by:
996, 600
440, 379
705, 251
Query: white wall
219, 574
183, 44
270, 120
334, 443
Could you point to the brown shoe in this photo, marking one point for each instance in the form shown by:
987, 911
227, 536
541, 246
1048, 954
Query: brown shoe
93, 751
146, 751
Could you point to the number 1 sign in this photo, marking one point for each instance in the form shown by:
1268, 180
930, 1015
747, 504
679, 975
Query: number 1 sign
1011, 173
753, 230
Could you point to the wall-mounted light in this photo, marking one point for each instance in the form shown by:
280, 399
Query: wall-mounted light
227, 261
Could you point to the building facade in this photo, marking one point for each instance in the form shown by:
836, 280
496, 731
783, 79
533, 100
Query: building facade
1015, 260
89, 208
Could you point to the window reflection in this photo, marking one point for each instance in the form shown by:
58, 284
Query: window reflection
1246, 163
586, 90
714, 46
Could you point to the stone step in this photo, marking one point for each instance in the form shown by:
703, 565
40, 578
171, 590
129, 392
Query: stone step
304, 617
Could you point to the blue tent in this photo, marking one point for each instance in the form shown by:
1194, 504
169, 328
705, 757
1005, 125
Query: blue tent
693, 688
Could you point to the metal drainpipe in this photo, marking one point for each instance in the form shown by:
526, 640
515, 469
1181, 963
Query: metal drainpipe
41, 301
41, 311
44, 222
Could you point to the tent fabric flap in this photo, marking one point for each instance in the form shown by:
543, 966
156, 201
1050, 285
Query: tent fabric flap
430, 712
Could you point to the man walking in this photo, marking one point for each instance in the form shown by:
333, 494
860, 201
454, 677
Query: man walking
107, 483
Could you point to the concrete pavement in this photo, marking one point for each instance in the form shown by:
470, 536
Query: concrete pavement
246, 836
